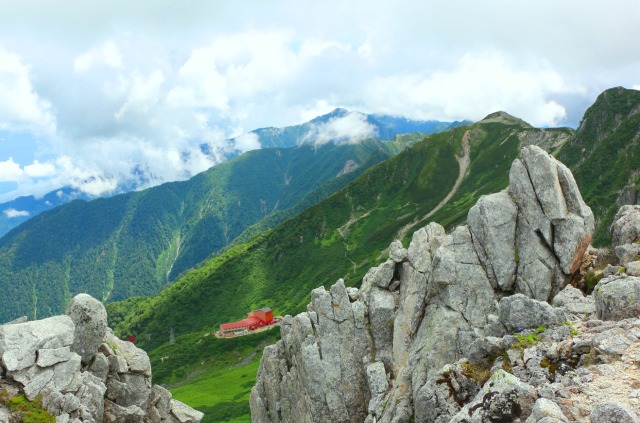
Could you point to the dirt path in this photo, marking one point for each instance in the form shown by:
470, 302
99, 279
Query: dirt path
463, 163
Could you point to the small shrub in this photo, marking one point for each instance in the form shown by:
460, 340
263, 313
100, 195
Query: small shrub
527, 341
592, 280
573, 330
476, 372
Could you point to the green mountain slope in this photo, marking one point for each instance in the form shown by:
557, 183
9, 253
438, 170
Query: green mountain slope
135, 243
340, 237
604, 156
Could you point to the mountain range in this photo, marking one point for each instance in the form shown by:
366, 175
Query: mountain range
437, 179
329, 229
339, 123
135, 243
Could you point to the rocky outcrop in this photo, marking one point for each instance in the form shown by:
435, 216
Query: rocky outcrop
82, 372
384, 353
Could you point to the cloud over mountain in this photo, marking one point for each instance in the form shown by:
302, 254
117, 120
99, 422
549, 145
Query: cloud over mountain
107, 93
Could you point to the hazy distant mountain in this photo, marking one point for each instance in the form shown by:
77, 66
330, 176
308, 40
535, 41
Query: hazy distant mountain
385, 127
23, 208
346, 126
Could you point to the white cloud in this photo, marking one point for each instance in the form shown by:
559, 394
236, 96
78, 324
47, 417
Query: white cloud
11, 213
10, 171
39, 170
348, 129
20, 104
234, 67
106, 54
247, 142
122, 89
477, 85
97, 186
143, 95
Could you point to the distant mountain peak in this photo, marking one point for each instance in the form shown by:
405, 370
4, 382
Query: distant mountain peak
504, 117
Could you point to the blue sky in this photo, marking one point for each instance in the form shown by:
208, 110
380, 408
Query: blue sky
90, 91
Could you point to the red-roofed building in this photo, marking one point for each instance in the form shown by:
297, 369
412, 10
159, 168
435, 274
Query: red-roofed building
255, 319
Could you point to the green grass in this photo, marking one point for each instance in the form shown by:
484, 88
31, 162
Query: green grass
30, 411
223, 395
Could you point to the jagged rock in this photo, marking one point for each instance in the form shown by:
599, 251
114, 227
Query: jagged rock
382, 305
320, 349
117, 364
377, 382
626, 226
633, 268
424, 243
128, 389
546, 411
502, 398
90, 319
136, 359
38, 359
91, 394
627, 253
100, 367
485, 348
519, 311
397, 252
612, 271
381, 275
456, 292
413, 291
529, 208
573, 302
445, 393
617, 298
159, 405
613, 341
571, 240
492, 222
612, 413
114, 413
49, 356
545, 256
183, 413
23, 319
66, 374
543, 172
20, 342
573, 198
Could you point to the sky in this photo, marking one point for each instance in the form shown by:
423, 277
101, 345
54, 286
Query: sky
98, 94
